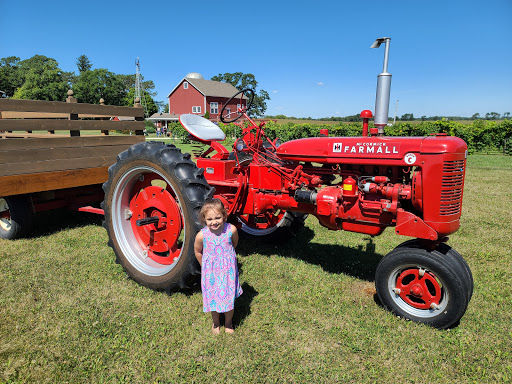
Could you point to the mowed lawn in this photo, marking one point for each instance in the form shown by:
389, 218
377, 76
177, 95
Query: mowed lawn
308, 313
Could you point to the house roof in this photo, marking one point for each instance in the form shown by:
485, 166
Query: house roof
163, 116
123, 118
210, 87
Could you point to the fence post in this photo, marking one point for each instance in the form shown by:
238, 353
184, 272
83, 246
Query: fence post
102, 102
72, 116
137, 105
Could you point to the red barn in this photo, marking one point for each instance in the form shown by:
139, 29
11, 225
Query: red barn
196, 95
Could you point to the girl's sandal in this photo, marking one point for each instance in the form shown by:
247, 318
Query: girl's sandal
229, 330
215, 330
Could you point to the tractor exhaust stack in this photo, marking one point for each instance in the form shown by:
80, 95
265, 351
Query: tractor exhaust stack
383, 88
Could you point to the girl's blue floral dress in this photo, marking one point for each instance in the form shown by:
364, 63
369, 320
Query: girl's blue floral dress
219, 272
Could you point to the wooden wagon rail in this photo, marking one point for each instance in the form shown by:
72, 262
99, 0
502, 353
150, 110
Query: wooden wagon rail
33, 158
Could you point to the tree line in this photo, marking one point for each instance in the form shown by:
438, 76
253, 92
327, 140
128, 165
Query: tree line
404, 117
40, 78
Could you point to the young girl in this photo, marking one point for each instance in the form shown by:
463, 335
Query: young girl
214, 248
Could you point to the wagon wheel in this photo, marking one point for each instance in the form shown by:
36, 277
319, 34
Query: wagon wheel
428, 287
152, 200
16, 217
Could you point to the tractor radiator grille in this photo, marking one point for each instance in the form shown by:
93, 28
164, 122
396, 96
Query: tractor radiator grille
451, 189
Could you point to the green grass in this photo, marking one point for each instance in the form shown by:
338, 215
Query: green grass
69, 314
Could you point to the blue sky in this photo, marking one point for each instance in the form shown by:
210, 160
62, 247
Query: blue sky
312, 57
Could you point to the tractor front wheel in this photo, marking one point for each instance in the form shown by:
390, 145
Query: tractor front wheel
152, 200
424, 286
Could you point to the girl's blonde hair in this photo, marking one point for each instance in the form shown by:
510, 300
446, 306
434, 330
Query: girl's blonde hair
212, 204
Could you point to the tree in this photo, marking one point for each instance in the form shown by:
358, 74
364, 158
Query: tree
38, 78
129, 82
506, 115
407, 117
492, 116
150, 103
160, 105
43, 80
9, 75
246, 80
83, 63
476, 116
90, 86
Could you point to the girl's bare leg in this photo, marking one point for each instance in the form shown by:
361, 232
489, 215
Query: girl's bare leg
216, 322
228, 322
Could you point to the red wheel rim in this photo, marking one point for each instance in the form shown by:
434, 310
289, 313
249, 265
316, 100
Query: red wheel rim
161, 239
419, 290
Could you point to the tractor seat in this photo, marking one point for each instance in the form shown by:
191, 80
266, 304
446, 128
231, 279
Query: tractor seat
201, 128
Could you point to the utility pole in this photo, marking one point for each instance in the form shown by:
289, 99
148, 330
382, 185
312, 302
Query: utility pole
138, 88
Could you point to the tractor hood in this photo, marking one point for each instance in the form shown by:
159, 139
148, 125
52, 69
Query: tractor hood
331, 149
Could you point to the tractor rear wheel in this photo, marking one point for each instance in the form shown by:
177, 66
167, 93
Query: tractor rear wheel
16, 217
152, 202
429, 287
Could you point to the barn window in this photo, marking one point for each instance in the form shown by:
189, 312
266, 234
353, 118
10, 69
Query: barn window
185, 85
214, 108
196, 109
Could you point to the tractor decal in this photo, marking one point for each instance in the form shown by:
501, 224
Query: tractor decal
367, 148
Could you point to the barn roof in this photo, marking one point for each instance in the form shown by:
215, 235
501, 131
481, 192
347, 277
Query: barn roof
210, 87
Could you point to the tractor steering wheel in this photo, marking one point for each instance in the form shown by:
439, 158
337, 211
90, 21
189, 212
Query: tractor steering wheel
227, 118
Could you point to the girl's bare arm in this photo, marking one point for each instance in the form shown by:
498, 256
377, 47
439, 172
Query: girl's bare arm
234, 237
198, 247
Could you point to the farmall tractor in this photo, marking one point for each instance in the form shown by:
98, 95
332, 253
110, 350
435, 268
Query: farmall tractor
359, 184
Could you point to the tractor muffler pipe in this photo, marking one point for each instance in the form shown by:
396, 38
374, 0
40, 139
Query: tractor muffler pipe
383, 88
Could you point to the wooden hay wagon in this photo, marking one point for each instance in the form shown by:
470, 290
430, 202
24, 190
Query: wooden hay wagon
56, 155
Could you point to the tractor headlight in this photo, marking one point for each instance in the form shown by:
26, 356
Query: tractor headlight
240, 145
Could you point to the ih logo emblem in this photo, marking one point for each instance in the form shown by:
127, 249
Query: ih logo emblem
337, 147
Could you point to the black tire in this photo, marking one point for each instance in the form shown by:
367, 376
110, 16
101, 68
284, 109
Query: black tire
151, 179
287, 227
16, 217
445, 249
432, 286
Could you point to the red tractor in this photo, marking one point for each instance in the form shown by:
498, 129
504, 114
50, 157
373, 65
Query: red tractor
359, 184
